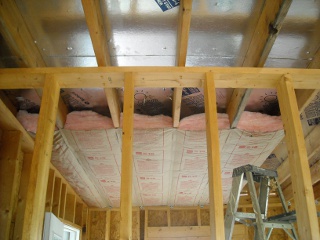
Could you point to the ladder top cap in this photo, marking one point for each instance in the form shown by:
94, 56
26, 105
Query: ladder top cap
256, 171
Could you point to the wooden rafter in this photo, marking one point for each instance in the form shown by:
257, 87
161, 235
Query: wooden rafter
299, 167
182, 48
21, 43
94, 20
265, 33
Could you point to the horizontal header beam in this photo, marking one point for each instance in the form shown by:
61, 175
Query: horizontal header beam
158, 77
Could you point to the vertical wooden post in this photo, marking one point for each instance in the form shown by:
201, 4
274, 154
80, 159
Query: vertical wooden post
56, 196
70, 207
126, 164
36, 196
298, 159
10, 172
214, 169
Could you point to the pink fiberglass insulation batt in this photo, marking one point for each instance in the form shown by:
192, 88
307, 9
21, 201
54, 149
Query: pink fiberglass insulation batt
88, 120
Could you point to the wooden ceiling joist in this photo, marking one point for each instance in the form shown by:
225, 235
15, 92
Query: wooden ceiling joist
92, 11
182, 49
22, 44
264, 36
158, 77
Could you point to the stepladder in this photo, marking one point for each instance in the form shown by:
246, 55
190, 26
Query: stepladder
260, 181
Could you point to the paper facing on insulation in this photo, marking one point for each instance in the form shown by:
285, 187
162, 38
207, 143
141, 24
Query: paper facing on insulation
170, 165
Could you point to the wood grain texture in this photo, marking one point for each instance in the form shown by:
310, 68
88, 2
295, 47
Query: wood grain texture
41, 160
214, 168
299, 167
126, 162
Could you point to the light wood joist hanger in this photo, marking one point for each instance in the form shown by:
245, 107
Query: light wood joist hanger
158, 77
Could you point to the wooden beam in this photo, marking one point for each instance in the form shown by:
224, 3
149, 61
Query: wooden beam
126, 162
299, 167
265, 33
41, 159
79, 214
158, 77
214, 168
92, 11
9, 122
10, 173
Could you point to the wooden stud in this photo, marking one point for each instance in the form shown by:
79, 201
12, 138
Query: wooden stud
63, 200
94, 20
126, 164
299, 167
265, 33
41, 159
56, 196
23, 190
146, 223
70, 209
199, 216
50, 189
10, 173
213, 155
8, 103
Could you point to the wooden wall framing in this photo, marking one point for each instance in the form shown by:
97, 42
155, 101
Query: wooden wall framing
52, 79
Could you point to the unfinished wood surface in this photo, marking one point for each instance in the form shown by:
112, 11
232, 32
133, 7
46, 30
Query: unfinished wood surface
23, 190
50, 189
11, 159
9, 122
184, 217
113, 77
114, 225
63, 200
114, 105
16, 34
126, 162
41, 159
213, 155
176, 106
56, 196
157, 218
108, 224
315, 177
299, 167
94, 21
205, 217
8, 103
78, 217
98, 225
70, 210
266, 31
